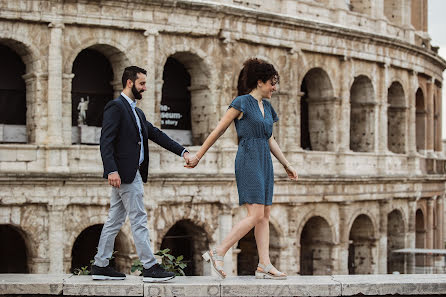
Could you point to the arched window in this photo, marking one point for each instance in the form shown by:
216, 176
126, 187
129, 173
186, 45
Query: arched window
362, 115
316, 248
395, 240
421, 117
13, 251
362, 241
396, 119
12, 97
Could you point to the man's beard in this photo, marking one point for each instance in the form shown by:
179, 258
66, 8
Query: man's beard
136, 94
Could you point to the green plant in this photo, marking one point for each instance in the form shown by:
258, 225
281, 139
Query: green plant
172, 264
82, 271
168, 262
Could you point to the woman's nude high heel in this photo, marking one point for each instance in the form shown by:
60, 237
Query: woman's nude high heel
213, 257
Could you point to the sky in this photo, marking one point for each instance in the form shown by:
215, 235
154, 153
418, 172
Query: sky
437, 32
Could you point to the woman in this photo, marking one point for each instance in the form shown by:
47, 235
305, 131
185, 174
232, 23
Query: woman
254, 118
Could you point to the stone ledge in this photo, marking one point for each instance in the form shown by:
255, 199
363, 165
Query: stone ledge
200, 286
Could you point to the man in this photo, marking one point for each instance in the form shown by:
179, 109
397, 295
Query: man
125, 155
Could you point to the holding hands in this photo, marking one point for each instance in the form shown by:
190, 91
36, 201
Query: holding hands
191, 161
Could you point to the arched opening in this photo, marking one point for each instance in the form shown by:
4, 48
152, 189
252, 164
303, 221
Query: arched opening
12, 97
176, 102
395, 241
362, 243
93, 75
187, 239
248, 257
437, 121
13, 253
318, 119
393, 10
362, 115
189, 76
85, 248
316, 246
420, 240
396, 119
421, 116
361, 6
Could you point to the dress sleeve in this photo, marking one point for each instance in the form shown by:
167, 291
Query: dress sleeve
274, 114
238, 103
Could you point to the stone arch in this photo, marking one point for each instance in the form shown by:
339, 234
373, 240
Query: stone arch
393, 11
16, 91
14, 256
420, 238
396, 234
108, 51
361, 6
362, 115
248, 257
421, 118
316, 247
362, 246
317, 112
200, 113
187, 239
84, 248
396, 118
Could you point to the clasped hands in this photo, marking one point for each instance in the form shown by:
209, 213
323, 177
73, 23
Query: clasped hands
191, 160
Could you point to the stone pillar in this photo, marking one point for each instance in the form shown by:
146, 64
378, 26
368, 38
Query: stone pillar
411, 235
148, 104
56, 238
383, 104
429, 229
439, 243
438, 114
412, 137
66, 108
54, 135
344, 234
290, 114
224, 227
36, 119
430, 116
344, 120
382, 240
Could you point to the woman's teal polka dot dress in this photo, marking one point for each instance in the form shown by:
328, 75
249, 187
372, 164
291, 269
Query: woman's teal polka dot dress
253, 165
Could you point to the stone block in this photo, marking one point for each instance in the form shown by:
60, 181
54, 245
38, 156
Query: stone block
8, 154
83, 285
404, 284
26, 154
13, 133
193, 286
293, 286
90, 135
31, 284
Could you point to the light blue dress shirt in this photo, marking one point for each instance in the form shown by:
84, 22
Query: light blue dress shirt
133, 105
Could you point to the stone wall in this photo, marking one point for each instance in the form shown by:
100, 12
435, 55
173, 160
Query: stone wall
359, 103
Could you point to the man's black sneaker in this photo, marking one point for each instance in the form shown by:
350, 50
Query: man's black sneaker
103, 273
156, 273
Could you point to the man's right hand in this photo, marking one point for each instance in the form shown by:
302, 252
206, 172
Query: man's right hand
114, 180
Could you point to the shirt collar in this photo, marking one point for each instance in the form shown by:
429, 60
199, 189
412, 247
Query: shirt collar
130, 101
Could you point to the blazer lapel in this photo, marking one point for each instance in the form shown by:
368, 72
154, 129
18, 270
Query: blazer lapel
143, 126
129, 110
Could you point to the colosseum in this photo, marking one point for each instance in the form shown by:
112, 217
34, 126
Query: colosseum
359, 104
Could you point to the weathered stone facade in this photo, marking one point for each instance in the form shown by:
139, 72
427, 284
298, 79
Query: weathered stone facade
360, 118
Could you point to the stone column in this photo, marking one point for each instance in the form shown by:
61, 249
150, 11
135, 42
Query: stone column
439, 244
382, 240
56, 238
36, 119
290, 113
383, 104
430, 116
438, 113
224, 227
344, 122
411, 235
429, 229
344, 234
66, 109
148, 105
412, 136
54, 135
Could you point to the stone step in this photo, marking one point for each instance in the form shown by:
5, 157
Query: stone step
196, 286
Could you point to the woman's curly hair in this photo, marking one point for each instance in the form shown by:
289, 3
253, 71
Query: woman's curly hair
255, 69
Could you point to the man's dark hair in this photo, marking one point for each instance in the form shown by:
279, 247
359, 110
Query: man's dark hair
131, 73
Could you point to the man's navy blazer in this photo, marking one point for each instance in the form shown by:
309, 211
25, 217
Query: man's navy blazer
121, 144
